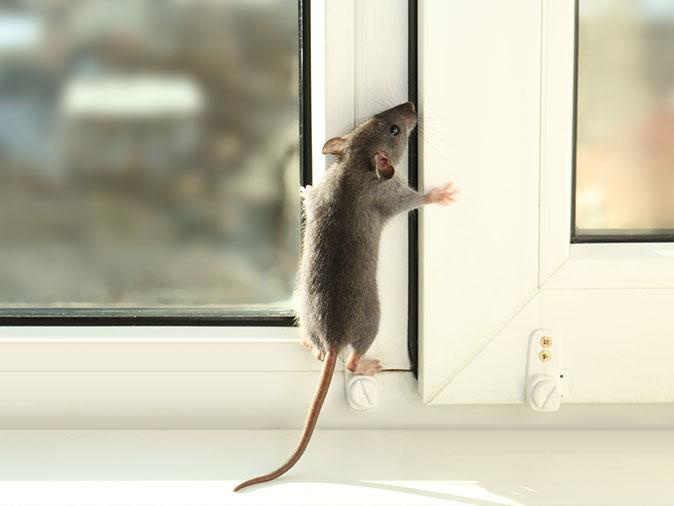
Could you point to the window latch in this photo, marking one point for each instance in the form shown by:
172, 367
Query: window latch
545, 382
361, 390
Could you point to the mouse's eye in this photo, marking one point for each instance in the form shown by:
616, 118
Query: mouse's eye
395, 130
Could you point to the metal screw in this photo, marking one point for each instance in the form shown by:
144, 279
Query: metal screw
544, 356
546, 341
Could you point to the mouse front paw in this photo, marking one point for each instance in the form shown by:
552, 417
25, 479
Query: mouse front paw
443, 195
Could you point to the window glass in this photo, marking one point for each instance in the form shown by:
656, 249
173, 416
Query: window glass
148, 153
625, 118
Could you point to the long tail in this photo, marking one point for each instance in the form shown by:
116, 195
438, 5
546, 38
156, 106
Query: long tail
312, 417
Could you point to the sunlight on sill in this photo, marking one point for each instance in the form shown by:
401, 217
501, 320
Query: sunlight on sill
283, 492
469, 491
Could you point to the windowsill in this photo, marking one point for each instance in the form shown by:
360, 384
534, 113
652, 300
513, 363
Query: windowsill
153, 349
116, 334
364, 467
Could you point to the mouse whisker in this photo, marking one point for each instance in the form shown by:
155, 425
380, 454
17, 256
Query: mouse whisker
375, 97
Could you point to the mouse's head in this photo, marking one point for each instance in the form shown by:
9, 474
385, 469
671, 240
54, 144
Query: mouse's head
379, 142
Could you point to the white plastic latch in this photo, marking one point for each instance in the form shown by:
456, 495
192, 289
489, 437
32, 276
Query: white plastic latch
544, 378
361, 390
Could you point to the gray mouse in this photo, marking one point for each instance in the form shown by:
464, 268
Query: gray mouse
344, 217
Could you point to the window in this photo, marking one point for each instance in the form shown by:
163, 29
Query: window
149, 157
143, 369
625, 121
499, 121
506, 262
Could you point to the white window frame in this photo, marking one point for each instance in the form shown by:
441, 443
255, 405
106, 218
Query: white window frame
51, 376
472, 341
610, 304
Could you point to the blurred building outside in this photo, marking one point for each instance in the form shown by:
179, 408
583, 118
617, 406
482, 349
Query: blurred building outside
625, 131
148, 153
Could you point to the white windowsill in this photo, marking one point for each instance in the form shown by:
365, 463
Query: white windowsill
390, 468
135, 334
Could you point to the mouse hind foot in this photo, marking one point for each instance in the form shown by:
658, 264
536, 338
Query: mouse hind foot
365, 366
315, 351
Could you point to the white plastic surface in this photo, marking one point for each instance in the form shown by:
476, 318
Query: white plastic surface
361, 390
544, 388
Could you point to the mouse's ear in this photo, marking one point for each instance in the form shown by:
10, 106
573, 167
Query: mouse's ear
382, 166
335, 146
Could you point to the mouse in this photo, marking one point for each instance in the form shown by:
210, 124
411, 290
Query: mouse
344, 215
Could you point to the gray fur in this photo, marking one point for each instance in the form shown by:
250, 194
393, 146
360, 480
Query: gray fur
345, 214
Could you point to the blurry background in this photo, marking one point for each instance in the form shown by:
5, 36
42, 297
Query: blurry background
148, 152
625, 136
